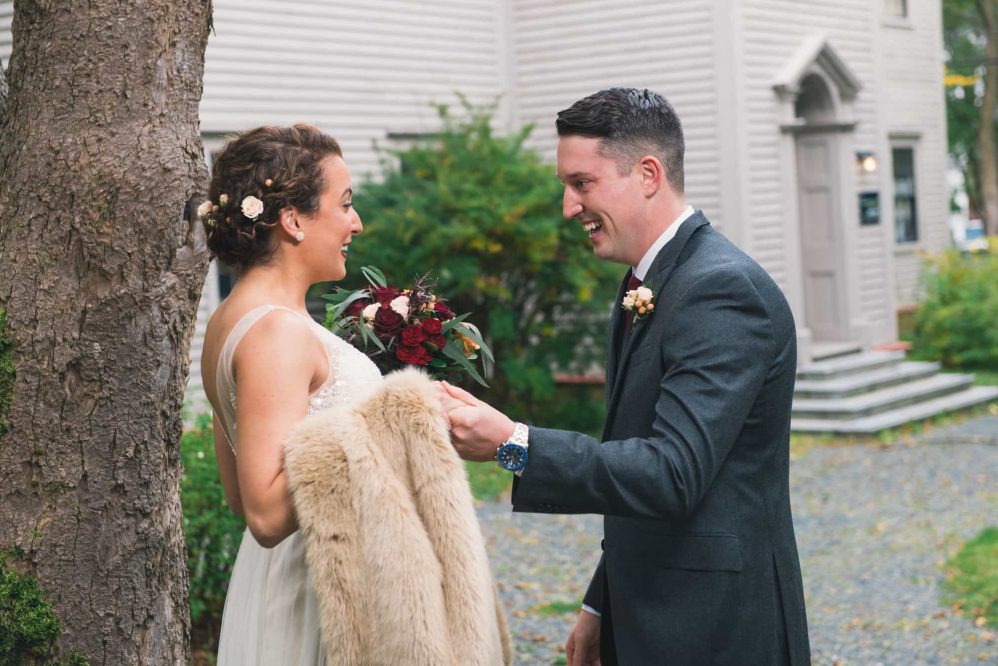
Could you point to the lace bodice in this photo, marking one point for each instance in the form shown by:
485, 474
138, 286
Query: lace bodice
351, 374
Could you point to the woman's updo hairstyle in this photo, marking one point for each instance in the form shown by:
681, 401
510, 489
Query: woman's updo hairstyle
257, 174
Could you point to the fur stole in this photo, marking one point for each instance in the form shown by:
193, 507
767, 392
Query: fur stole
392, 542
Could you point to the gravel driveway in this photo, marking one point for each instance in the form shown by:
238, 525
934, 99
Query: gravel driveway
874, 525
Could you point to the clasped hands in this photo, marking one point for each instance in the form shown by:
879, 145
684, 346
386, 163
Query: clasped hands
476, 428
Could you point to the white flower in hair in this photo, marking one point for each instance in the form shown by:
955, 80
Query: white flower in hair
204, 209
252, 207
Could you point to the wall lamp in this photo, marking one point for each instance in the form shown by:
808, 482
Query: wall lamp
867, 161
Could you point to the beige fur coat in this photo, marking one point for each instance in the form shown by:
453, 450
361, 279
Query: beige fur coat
391, 537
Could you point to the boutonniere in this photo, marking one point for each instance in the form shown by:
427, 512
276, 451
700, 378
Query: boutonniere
639, 302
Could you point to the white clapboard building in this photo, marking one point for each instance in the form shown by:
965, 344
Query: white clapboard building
816, 129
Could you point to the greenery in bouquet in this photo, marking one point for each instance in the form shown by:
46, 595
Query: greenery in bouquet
413, 326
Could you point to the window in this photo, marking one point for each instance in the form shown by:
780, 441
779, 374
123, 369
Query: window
896, 8
905, 210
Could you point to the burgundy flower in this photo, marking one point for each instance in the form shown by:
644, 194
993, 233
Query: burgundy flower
355, 308
432, 326
413, 355
413, 336
437, 341
444, 311
385, 295
387, 322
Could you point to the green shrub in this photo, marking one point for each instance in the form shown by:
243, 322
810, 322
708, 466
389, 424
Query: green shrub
28, 626
482, 214
956, 320
972, 577
211, 530
6, 371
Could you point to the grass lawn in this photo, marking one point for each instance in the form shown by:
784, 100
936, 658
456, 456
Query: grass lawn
972, 578
488, 480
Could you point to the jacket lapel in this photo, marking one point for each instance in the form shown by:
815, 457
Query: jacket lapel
615, 337
658, 275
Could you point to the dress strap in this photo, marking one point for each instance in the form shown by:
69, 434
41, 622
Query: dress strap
225, 383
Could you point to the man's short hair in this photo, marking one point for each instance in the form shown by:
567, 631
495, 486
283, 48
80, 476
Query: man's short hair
631, 123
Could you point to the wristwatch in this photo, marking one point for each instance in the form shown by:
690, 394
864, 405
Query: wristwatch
512, 454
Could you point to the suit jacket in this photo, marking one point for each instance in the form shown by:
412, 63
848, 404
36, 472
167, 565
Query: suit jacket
700, 561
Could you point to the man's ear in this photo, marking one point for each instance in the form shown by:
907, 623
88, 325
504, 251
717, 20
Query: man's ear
652, 174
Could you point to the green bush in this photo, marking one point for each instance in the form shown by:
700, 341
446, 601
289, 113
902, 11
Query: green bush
211, 530
28, 626
956, 319
6, 371
482, 214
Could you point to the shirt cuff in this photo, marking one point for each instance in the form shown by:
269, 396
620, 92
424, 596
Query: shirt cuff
591, 610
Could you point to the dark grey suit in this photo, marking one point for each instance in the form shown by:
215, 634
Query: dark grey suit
700, 562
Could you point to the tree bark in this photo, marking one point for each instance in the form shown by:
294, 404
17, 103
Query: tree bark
986, 129
101, 163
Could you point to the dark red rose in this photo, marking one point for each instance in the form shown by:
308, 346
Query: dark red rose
385, 295
437, 341
432, 326
387, 322
444, 311
356, 308
413, 336
412, 355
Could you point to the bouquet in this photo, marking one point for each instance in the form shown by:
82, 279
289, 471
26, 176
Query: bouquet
401, 327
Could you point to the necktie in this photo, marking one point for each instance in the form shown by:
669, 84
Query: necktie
632, 283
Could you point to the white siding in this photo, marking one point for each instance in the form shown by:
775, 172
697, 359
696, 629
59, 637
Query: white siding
771, 32
6, 14
357, 69
563, 51
914, 111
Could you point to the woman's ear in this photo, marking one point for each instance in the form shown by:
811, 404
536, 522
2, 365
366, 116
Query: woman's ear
289, 220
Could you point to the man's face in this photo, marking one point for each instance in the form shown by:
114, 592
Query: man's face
607, 206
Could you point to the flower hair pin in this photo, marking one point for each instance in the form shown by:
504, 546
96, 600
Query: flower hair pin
251, 208
639, 302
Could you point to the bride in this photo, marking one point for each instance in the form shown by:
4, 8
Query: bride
280, 212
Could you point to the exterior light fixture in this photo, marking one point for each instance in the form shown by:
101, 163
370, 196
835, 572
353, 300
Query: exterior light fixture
867, 161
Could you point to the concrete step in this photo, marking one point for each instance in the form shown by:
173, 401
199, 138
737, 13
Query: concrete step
870, 425
841, 366
821, 351
881, 400
845, 386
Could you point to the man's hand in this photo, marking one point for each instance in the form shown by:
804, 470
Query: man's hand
477, 429
582, 646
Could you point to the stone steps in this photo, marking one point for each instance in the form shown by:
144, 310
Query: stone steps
865, 392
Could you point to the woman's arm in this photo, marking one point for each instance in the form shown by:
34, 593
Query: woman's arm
276, 363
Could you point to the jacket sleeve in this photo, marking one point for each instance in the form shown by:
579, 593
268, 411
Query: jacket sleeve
717, 343
594, 594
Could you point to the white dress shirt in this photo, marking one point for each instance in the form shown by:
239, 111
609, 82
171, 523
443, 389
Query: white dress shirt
641, 270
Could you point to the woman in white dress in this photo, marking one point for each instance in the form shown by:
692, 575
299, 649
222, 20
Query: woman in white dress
280, 212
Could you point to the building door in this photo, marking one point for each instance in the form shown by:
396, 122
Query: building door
821, 236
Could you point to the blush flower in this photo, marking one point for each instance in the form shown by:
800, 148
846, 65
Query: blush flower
252, 207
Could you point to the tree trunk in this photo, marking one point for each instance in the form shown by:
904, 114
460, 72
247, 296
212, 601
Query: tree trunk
103, 262
986, 129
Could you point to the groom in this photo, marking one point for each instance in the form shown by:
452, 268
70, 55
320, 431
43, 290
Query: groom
699, 561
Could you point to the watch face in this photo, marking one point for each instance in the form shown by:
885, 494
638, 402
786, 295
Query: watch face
512, 457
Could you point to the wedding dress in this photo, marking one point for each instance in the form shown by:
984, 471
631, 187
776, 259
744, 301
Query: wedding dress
271, 614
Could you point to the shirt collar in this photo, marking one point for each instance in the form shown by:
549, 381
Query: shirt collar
641, 270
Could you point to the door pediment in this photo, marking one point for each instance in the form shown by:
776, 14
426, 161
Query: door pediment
816, 55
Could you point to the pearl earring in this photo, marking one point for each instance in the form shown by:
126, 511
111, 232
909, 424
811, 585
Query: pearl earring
300, 236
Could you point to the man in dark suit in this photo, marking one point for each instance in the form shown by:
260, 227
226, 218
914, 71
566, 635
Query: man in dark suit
700, 561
